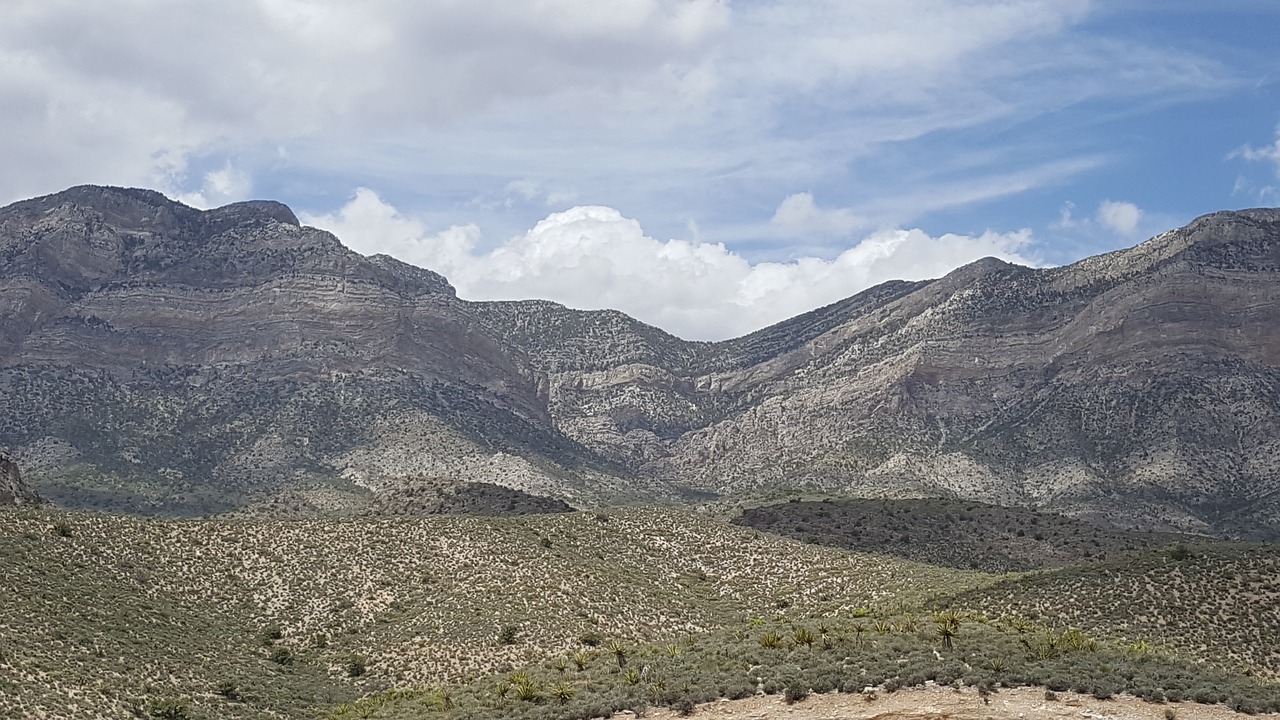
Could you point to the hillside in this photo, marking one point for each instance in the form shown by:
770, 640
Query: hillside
163, 360
110, 616
1219, 603
101, 612
952, 533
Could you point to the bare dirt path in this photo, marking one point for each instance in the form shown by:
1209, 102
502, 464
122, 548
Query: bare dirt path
934, 703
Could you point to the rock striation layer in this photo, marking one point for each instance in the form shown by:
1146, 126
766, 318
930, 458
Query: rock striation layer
162, 359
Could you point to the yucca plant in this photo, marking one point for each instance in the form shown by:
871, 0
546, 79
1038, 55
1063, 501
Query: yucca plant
803, 636
619, 652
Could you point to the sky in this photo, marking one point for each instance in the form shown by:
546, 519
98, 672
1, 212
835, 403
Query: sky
707, 166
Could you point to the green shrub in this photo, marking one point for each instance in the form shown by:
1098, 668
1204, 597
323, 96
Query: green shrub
282, 656
270, 634
169, 709
795, 693
509, 635
356, 667
228, 690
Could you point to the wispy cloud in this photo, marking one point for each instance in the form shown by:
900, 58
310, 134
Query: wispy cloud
674, 109
1266, 154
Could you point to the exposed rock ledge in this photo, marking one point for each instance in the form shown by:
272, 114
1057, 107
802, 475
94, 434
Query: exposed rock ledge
12, 490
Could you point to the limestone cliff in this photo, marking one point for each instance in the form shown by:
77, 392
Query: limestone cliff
187, 361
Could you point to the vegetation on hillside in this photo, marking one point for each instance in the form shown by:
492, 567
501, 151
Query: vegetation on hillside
1216, 602
879, 653
575, 614
952, 533
103, 613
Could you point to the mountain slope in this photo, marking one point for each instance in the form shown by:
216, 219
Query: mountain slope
232, 352
167, 359
1138, 386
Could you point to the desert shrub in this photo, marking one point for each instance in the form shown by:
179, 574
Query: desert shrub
270, 634
794, 693
684, 707
228, 690
169, 709
356, 667
282, 656
509, 635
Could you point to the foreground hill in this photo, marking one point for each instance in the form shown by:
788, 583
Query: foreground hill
1220, 603
245, 618
106, 616
161, 359
952, 533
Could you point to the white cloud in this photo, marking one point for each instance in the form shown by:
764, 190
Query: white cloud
799, 216
227, 184
1120, 217
594, 257
1066, 219
660, 106
1269, 153
534, 191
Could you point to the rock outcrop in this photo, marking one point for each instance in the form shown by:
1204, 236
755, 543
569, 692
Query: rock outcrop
12, 490
197, 361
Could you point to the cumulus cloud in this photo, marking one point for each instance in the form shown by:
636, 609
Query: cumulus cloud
595, 257
226, 184
1119, 217
798, 216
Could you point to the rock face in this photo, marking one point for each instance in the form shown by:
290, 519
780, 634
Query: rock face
12, 490
189, 361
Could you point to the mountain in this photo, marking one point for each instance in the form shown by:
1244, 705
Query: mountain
164, 359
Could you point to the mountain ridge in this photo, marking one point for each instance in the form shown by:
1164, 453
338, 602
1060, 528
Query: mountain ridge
239, 353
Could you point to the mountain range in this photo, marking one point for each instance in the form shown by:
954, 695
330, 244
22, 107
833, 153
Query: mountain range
155, 358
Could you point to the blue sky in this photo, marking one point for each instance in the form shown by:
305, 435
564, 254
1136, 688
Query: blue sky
707, 166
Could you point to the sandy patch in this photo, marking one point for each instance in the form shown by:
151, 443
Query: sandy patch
934, 703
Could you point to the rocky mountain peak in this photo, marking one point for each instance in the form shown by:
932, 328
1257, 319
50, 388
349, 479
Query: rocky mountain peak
256, 211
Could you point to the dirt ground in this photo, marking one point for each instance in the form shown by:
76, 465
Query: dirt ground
935, 703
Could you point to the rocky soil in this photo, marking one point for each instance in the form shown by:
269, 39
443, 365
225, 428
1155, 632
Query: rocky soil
936, 703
